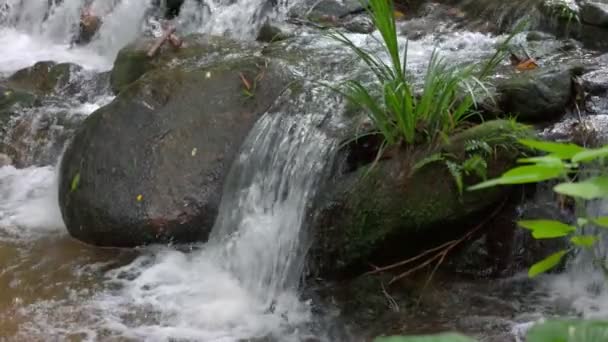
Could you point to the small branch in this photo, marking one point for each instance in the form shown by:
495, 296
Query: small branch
441, 251
169, 32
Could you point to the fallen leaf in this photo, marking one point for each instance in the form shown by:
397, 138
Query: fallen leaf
399, 15
528, 64
139, 198
194, 150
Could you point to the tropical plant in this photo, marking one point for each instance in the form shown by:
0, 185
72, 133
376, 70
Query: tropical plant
448, 97
582, 176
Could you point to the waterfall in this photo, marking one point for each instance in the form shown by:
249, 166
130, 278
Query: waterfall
243, 283
57, 21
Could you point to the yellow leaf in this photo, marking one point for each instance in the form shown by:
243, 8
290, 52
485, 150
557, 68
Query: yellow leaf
139, 198
399, 15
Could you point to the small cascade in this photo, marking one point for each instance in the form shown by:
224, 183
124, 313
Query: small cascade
244, 282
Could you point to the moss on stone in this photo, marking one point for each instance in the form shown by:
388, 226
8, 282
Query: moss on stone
373, 211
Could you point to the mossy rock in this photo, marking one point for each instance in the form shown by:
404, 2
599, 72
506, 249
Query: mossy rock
390, 212
43, 78
132, 61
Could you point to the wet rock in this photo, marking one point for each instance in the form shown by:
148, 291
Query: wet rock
89, 25
538, 95
315, 9
596, 82
359, 24
132, 61
391, 213
595, 13
44, 77
10, 97
535, 36
5, 160
271, 33
150, 166
37, 136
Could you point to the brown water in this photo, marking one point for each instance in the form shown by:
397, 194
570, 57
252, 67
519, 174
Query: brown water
48, 277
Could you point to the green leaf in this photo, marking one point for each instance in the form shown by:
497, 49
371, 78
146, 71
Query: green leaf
601, 221
548, 159
560, 150
524, 174
569, 331
546, 264
590, 155
75, 182
592, 188
449, 337
547, 229
584, 240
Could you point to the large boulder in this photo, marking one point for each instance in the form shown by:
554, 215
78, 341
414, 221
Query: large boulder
538, 95
595, 13
390, 212
150, 166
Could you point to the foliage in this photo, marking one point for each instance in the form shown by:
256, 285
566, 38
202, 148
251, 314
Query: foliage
566, 10
449, 337
564, 162
449, 92
552, 331
476, 151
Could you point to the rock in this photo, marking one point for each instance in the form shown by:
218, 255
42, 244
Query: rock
150, 166
359, 24
596, 82
595, 13
130, 64
43, 78
536, 36
271, 33
315, 9
132, 61
10, 97
89, 25
389, 214
5, 160
537, 95
11, 101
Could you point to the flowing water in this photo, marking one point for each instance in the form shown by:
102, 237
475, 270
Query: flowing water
241, 285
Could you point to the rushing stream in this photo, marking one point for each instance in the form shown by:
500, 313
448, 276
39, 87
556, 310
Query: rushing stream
244, 283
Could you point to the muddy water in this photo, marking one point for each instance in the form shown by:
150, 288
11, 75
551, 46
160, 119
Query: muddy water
52, 268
